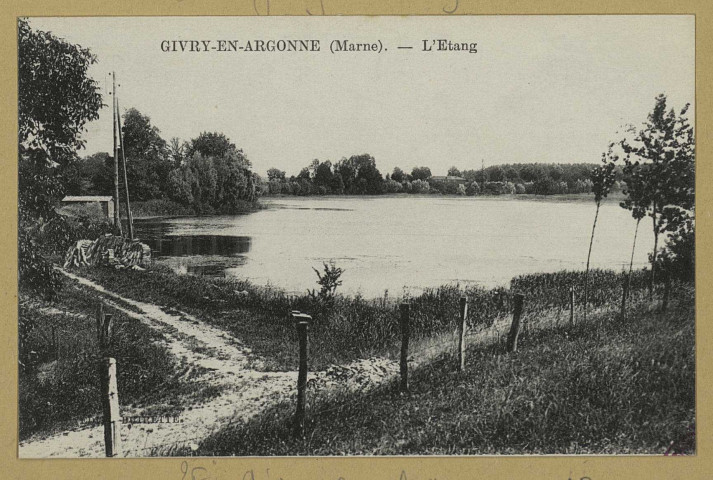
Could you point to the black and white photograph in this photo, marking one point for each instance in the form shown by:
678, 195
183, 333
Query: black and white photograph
356, 236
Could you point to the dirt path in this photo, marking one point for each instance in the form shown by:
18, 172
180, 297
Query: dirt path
229, 366
244, 391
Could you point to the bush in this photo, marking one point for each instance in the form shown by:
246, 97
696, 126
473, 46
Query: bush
57, 235
329, 281
546, 186
36, 274
274, 187
473, 189
392, 186
420, 186
499, 188
678, 256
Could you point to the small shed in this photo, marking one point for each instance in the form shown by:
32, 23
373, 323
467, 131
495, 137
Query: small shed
106, 203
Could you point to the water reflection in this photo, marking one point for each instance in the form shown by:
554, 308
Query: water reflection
196, 267
191, 245
166, 240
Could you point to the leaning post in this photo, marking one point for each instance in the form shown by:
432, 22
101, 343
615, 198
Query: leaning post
461, 333
109, 390
515, 327
302, 322
405, 332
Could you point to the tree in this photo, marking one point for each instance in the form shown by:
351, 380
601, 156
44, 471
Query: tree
472, 189
637, 202
368, 178
481, 177
496, 173
97, 174
179, 187
313, 167
347, 171
397, 175
531, 173
392, 186
222, 174
603, 179
511, 175
421, 173
56, 98
204, 187
177, 151
216, 144
420, 186
323, 174
236, 187
453, 172
660, 164
275, 174
555, 172
148, 161
304, 174
337, 184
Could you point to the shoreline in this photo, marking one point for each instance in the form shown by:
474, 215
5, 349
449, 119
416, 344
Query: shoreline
265, 202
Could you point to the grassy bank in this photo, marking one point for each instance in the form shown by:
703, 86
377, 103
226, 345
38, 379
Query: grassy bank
603, 386
347, 327
58, 380
151, 209
169, 208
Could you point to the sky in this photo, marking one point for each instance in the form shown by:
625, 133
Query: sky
554, 89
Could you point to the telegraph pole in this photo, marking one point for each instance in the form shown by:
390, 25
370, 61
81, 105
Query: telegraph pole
117, 218
126, 181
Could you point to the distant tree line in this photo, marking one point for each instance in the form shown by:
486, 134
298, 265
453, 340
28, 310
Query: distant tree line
358, 175
207, 174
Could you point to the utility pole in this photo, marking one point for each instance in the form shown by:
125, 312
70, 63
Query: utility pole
117, 218
126, 181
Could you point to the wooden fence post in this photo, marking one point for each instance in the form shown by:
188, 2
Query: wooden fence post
624, 298
112, 417
109, 390
302, 324
405, 332
515, 327
461, 333
571, 306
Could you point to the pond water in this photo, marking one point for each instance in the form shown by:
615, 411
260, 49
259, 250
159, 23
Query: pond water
397, 243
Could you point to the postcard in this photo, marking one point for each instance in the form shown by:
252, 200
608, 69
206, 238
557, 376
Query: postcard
393, 236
